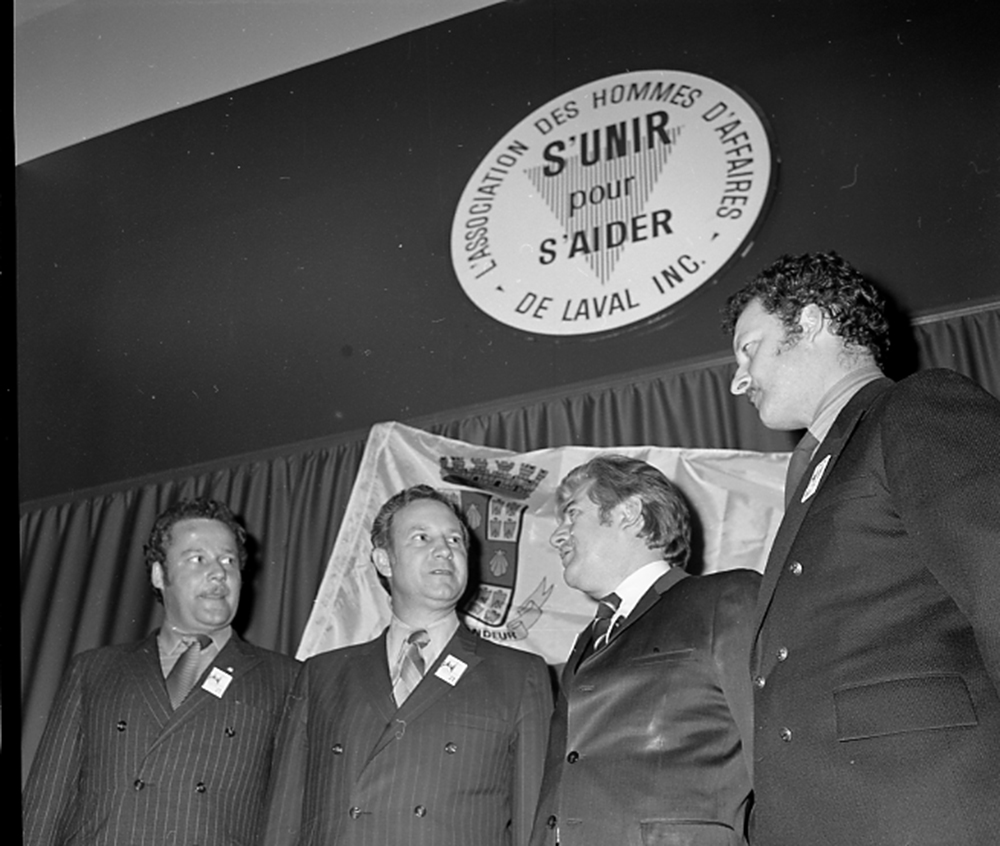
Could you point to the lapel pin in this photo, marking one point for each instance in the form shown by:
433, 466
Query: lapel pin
814, 480
217, 682
451, 670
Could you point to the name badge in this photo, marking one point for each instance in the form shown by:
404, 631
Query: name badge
217, 682
450, 670
814, 480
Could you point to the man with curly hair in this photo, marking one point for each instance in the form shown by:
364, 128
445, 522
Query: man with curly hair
171, 739
876, 652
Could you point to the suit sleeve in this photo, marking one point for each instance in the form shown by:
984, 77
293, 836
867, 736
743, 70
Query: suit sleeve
50, 795
734, 616
535, 713
941, 452
287, 787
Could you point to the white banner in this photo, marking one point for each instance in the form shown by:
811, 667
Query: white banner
508, 500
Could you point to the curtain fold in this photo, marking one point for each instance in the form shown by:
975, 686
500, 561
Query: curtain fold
84, 584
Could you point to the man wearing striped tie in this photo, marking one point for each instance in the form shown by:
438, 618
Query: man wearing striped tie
427, 735
648, 740
168, 740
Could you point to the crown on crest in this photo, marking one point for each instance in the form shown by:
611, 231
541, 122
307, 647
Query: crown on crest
492, 475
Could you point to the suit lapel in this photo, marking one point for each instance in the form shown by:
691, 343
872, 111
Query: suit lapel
649, 598
581, 650
144, 673
236, 660
373, 668
432, 689
825, 458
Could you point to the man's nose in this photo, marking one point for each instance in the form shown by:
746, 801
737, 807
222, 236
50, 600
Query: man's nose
559, 536
215, 568
740, 383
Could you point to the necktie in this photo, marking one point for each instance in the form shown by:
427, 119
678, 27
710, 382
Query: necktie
606, 608
185, 672
412, 667
798, 463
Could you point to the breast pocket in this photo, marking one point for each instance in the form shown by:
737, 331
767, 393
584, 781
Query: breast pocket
903, 705
665, 657
472, 720
844, 492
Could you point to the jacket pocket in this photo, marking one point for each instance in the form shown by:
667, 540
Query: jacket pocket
919, 703
467, 719
665, 656
687, 833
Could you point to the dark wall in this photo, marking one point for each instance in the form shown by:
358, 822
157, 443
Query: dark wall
273, 265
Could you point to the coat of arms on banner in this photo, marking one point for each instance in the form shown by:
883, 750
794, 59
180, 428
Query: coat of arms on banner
495, 521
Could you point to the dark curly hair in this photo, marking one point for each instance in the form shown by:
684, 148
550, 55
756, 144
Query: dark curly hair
155, 548
665, 515
792, 282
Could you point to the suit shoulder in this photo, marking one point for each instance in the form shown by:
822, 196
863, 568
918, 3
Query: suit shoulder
342, 655
937, 385
103, 655
517, 658
740, 585
275, 660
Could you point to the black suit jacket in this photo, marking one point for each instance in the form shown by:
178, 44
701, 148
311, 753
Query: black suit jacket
118, 767
646, 745
456, 765
877, 651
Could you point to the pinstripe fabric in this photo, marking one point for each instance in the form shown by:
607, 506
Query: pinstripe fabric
454, 766
118, 767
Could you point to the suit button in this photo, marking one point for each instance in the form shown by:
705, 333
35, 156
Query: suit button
759, 682
355, 812
121, 725
551, 821
782, 654
785, 734
138, 784
795, 568
337, 749
200, 787
573, 757
420, 811
230, 732
450, 748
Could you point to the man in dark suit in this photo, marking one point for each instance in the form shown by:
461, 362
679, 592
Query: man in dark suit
427, 735
646, 745
876, 659
168, 740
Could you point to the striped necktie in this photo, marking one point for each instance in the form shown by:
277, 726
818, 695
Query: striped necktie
184, 673
412, 667
798, 463
606, 608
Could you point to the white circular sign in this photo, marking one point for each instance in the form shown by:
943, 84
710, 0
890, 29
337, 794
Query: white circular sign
612, 203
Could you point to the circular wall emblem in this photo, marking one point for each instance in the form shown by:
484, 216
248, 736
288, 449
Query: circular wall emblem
612, 203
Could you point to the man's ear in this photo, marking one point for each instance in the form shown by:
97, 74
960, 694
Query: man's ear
812, 320
156, 575
631, 512
380, 558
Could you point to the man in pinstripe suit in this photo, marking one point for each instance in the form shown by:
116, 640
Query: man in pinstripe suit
374, 757
137, 755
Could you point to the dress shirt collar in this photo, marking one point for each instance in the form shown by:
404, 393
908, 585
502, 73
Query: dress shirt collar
440, 633
838, 396
635, 586
173, 642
